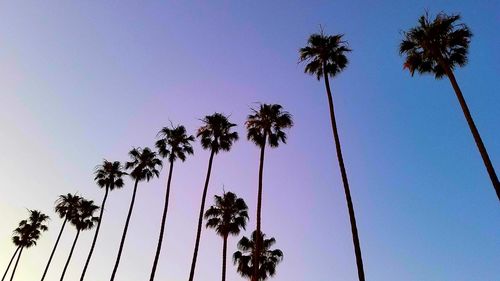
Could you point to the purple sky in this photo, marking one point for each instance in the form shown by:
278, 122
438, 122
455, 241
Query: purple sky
82, 81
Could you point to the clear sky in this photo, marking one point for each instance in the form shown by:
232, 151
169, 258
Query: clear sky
85, 80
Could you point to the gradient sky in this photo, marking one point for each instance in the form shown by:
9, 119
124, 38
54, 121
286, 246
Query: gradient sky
85, 80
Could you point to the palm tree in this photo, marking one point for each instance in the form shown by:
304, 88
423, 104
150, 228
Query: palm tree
83, 219
268, 259
227, 216
173, 144
66, 206
26, 235
325, 56
438, 46
266, 125
215, 135
144, 166
108, 175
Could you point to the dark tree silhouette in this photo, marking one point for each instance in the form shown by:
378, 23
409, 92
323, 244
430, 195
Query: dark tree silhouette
174, 143
144, 166
266, 125
268, 258
66, 206
227, 216
325, 56
438, 46
215, 135
26, 235
108, 175
83, 219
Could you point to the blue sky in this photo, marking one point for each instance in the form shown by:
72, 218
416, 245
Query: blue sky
84, 80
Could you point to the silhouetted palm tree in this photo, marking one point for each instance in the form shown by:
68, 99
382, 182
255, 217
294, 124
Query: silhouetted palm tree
266, 125
227, 216
268, 259
438, 46
325, 56
173, 144
108, 175
83, 219
26, 235
66, 206
215, 135
144, 166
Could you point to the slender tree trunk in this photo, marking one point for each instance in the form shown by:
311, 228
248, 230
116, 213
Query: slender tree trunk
15, 265
224, 257
163, 220
10, 262
96, 234
200, 219
70, 255
473, 129
54, 249
122, 242
350, 207
256, 253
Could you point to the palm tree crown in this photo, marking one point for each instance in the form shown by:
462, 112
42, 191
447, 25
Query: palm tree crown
324, 54
434, 42
66, 205
268, 122
109, 175
174, 143
143, 164
216, 133
268, 259
29, 231
229, 214
84, 218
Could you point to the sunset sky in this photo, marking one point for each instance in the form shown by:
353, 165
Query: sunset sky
81, 81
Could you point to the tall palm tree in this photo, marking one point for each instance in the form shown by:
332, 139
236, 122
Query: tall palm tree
83, 219
108, 175
26, 235
173, 144
268, 258
325, 56
144, 165
215, 135
227, 216
438, 46
66, 206
266, 125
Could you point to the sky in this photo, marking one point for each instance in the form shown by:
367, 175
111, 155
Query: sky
81, 81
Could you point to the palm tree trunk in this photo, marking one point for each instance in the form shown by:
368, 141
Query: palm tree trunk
473, 129
224, 257
350, 207
163, 220
256, 253
15, 265
96, 234
54, 249
70, 255
10, 262
122, 242
200, 219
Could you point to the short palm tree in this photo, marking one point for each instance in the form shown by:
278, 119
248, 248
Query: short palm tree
438, 46
174, 143
266, 126
108, 175
268, 258
26, 235
227, 216
143, 166
325, 56
83, 219
215, 135
66, 206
